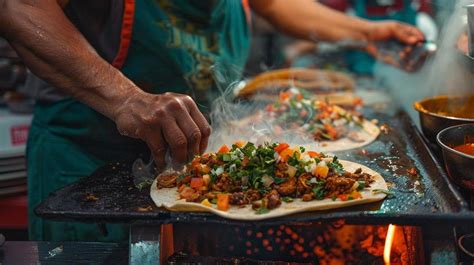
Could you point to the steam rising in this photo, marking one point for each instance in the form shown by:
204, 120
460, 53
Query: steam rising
445, 73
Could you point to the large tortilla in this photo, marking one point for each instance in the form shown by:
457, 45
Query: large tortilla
169, 199
367, 133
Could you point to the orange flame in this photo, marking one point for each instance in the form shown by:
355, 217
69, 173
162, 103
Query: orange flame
388, 244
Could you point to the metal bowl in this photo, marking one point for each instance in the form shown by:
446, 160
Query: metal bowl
440, 112
460, 166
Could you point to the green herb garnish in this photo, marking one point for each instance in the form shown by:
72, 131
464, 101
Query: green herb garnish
336, 166
361, 185
262, 210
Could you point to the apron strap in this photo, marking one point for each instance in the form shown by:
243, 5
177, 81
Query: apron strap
245, 4
125, 34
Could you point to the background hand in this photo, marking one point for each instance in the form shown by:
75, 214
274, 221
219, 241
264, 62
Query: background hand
392, 30
398, 44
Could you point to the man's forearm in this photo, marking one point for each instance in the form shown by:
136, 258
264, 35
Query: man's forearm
310, 20
56, 51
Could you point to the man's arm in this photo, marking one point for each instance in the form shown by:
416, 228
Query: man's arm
308, 19
54, 50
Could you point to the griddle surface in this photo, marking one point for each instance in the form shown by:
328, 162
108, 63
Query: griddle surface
418, 198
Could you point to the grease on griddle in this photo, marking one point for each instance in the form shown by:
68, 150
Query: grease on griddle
363, 152
91, 197
148, 208
384, 128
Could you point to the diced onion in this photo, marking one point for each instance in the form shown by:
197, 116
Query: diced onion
219, 171
323, 163
267, 181
207, 179
291, 171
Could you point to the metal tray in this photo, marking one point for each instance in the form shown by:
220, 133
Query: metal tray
418, 198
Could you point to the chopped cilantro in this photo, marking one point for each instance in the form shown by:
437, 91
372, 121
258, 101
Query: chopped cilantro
336, 166
262, 210
279, 180
226, 158
287, 199
319, 193
361, 185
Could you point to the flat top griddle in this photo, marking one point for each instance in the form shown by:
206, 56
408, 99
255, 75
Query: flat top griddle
423, 196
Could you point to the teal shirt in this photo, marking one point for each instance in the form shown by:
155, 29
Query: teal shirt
178, 45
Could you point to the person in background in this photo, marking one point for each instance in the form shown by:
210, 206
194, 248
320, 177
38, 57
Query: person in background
413, 12
115, 79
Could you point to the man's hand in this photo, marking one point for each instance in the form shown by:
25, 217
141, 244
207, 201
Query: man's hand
389, 30
398, 44
166, 121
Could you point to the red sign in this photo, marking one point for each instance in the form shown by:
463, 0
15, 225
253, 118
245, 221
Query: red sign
19, 134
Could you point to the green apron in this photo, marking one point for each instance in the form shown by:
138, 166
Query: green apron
174, 44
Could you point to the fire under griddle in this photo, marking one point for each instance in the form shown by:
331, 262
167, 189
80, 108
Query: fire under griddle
421, 191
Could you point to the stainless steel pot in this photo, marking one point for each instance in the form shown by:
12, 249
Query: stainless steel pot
435, 114
460, 166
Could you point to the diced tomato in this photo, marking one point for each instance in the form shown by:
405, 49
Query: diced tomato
343, 197
284, 96
356, 195
281, 147
245, 161
196, 165
331, 131
240, 144
206, 155
321, 171
270, 108
223, 202
224, 149
313, 154
358, 101
321, 104
285, 154
299, 97
181, 188
197, 183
